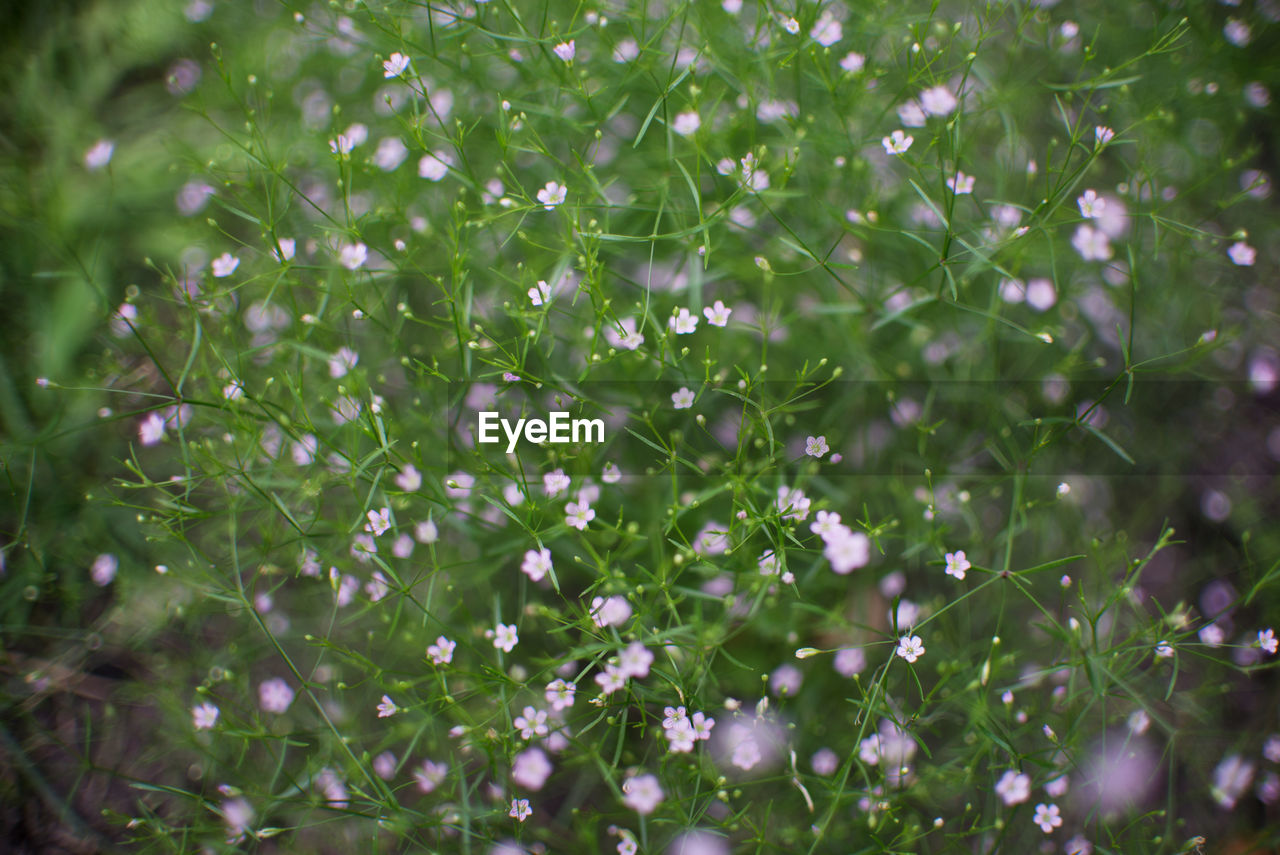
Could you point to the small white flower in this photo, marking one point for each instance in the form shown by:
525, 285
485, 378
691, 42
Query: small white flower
151, 429
540, 293
395, 66
555, 482
410, 479
1092, 206
853, 62
1102, 135
610, 611
634, 661
683, 323
441, 652
682, 398
274, 695
391, 152
99, 155
434, 166
957, 563
1242, 254
791, 25
897, 142
1092, 244
961, 184
910, 648
1237, 32
1047, 817
224, 265
566, 50
717, 315
341, 144
342, 361
379, 521
846, 550
536, 563
938, 101
505, 637
288, 247
816, 446
104, 569
911, 114
578, 515
552, 194
204, 716
520, 810
532, 723
387, 708
1164, 650
686, 123
430, 776
560, 694
352, 255
1013, 787
1212, 635
827, 31
642, 794
1267, 640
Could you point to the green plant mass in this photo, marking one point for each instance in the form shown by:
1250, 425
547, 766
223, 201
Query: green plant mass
643, 426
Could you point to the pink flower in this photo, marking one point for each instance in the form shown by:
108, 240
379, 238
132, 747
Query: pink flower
566, 50
430, 776
530, 769
642, 794
274, 695
204, 716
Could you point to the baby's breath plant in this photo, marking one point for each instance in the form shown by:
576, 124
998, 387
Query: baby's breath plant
933, 350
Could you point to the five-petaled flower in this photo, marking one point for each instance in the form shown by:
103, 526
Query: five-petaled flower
957, 563
717, 315
566, 50
1242, 254
532, 723
961, 184
387, 707
441, 652
1047, 817
642, 793
540, 293
560, 694
682, 398
379, 521
551, 195
910, 648
224, 265
683, 323
1092, 206
395, 66
897, 142
204, 716
1267, 640
816, 446
578, 515
520, 809
536, 563
938, 101
505, 637
1013, 787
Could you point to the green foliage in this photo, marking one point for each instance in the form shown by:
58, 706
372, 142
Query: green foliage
244, 358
